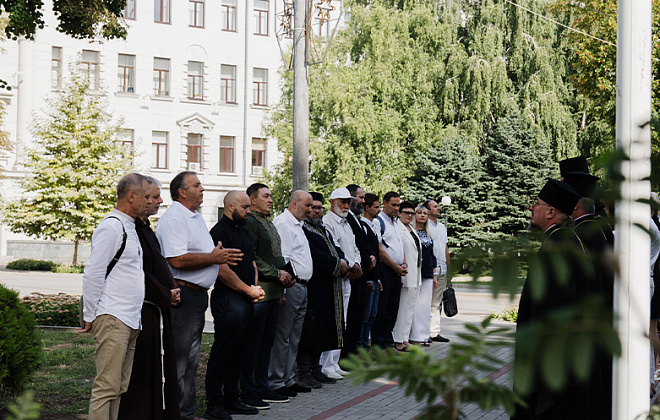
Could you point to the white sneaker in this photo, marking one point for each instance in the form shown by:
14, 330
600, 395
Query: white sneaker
333, 375
341, 372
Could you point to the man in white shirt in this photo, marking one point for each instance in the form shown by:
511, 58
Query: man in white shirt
188, 247
393, 265
441, 252
295, 250
337, 224
113, 291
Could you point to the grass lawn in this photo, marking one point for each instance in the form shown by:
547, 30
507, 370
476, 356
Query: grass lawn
63, 382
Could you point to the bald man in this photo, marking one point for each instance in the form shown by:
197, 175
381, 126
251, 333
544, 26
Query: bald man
295, 250
231, 306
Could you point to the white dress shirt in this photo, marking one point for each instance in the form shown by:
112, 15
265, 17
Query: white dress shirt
181, 231
391, 239
122, 292
439, 236
375, 227
295, 247
343, 236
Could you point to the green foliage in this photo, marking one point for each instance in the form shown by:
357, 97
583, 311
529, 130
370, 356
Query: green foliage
72, 269
509, 314
60, 310
82, 19
24, 408
29, 264
20, 345
75, 167
459, 379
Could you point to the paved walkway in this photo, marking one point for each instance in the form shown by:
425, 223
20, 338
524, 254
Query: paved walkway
378, 400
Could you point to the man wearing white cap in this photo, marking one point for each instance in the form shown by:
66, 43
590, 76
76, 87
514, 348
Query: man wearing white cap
342, 233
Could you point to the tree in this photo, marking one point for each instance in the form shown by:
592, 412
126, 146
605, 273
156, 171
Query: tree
75, 167
83, 19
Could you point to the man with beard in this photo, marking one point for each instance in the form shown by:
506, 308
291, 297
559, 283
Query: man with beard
231, 306
335, 222
153, 392
557, 279
324, 321
363, 285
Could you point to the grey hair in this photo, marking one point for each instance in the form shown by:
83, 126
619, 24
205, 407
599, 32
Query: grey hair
130, 182
153, 181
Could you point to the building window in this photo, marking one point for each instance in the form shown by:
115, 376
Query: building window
159, 149
195, 80
56, 68
126, 73
125, 135
196, 13
162, 11
260, 86
322, 28
129, 10
261, 17
228, 84
90, 65
229, 15
226, 154
194, 149
258, 156
161, 76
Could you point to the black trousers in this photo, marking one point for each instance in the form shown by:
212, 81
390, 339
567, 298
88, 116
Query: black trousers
231, 319
354, 316
388, 307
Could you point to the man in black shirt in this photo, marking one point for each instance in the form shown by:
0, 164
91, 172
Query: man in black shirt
231, 306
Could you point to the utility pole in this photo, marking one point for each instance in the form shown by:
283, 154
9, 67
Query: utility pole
300, 98
632, 244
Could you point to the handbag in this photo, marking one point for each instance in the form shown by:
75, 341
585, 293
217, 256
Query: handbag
449, 304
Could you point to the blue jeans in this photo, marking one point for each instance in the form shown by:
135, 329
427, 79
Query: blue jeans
187, 326
370, 311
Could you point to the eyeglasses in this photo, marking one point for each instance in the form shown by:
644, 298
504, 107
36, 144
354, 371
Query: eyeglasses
409, 213
537, 203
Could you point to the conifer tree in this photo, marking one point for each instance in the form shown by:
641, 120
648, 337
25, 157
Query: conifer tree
75, 167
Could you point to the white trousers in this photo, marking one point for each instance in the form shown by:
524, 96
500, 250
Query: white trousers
407, 304
436, 305
330, 359
421, 322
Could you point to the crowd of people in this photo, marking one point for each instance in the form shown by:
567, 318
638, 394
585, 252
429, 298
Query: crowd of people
290, 297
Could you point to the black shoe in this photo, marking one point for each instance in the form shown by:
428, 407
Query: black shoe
310, 382
237, 407
322, 378
299, 388
440, 339
273, 397
256, 402
215, 412
285, 391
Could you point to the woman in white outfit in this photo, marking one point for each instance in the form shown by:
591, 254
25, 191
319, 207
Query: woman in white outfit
410, 281
421, 323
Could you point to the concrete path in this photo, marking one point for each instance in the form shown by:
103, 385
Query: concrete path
378, 400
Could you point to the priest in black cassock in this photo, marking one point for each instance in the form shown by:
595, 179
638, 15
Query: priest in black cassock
153, 392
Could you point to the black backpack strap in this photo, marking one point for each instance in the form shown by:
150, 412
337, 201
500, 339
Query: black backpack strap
119, 252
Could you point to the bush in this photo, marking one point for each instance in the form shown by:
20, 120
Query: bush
20, 344
31, 265
509, 314
61, 268
60, 310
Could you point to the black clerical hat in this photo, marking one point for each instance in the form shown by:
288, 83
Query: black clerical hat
316, 196
576, 164
559, 195
583, 184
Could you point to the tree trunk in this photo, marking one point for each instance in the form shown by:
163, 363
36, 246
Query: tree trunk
75, 251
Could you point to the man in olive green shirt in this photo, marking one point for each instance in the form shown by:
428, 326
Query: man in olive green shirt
273, 279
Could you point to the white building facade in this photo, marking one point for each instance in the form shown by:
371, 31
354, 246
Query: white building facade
193, 82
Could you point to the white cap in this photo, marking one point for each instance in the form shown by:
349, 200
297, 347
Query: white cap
340, 193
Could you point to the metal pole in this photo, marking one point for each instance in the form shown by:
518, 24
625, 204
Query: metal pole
632, 245
300, 99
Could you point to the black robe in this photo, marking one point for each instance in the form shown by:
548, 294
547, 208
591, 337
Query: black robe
324, 296
575, 400
144, 398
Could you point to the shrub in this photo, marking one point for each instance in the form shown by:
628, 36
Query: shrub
20, 344
61, 268
31, 265
59, 310
509, 314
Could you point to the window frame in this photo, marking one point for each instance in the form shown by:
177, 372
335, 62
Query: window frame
158, 145
56, 64
194, 150
257, 86
223, 157
124, 12
192, 78
164, 10
259, 19
224, 85
194, 4
159, 89
259, 153
128, 73
91, 69
229, 17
